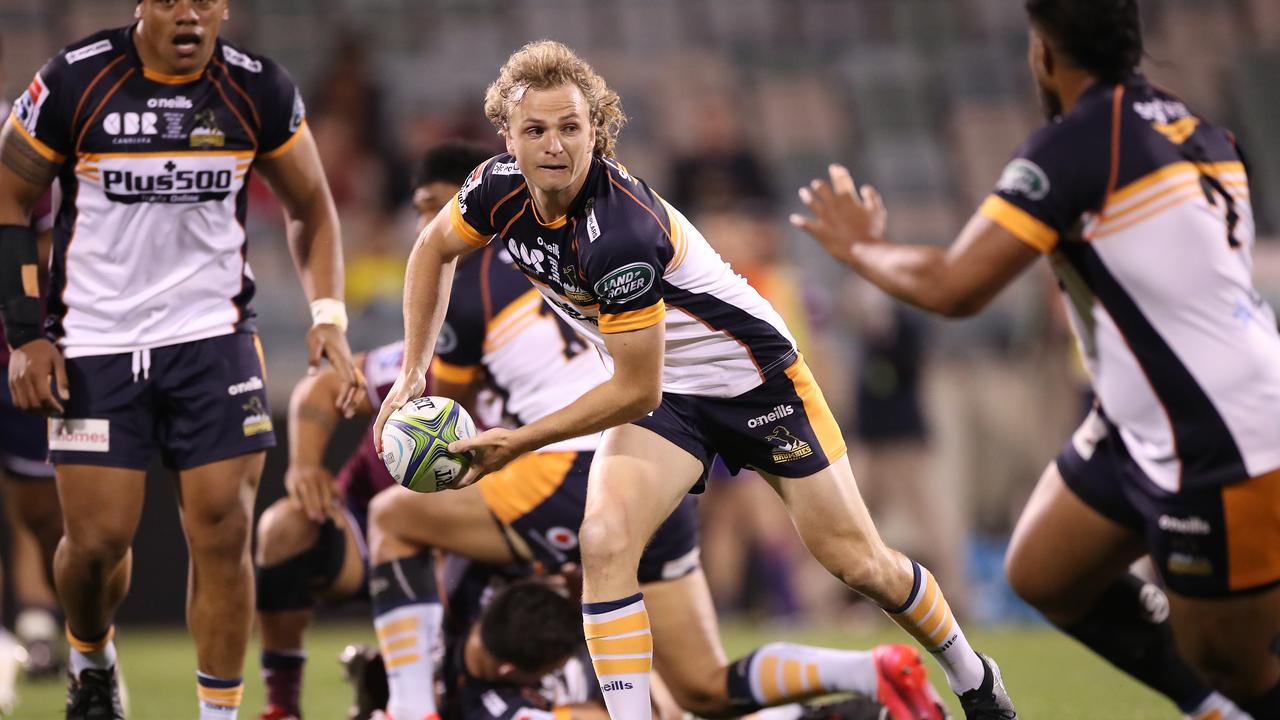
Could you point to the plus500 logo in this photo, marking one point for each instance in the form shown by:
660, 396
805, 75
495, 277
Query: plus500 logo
173, 181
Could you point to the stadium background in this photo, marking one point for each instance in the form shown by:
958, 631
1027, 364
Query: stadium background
732, 104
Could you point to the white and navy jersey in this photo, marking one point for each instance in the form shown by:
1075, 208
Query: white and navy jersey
497, 326
1144, 207
149, 245
622, 259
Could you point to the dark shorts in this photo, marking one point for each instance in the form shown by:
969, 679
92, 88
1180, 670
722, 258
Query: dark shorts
541, 496
782, 427
24, 450
197, 403
1206, 542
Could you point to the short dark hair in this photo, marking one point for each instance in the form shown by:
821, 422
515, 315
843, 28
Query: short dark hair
449, 162
531, 626
1102, 37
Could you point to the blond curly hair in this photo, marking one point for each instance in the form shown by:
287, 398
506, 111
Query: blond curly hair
548, 64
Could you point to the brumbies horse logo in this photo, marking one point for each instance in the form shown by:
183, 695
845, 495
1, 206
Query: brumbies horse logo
787, 447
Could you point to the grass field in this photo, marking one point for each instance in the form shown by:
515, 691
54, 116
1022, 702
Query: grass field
1051, 677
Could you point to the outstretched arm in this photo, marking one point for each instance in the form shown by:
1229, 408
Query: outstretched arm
427, 282
955, 281
297, 178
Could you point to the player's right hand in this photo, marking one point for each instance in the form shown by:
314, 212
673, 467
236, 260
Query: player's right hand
843, 214
34, 370
411, 384
313, 488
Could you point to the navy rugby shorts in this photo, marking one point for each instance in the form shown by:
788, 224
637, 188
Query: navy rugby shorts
23, 449
782, 427
196, 402
1205, 542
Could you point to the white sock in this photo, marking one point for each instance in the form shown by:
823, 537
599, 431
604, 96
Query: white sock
779, 672
99, 655
406, 636
621, 646
36, 623
927, 617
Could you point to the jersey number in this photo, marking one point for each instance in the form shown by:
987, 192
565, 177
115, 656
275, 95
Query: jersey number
1213, 187
574, 345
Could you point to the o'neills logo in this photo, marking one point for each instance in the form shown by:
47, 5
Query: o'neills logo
616, 685
1184, 526
253, 383
88, 435
778, 413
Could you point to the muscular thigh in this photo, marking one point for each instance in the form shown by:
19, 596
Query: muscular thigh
1064, 552
100, 503
216, 500
451, 520
1231, 637
637, 479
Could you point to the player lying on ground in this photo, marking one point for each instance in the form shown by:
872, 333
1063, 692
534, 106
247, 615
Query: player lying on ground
150, 307
1143, 208
701, 365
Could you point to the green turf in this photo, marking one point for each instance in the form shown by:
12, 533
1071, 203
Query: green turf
1050, 676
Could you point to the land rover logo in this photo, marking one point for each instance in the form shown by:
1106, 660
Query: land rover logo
1023, 177
626, 283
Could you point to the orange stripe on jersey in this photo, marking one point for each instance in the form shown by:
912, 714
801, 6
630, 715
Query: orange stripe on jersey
1251, 510
89, 88
1171, 201
253, 136
253, 108
493, 212
262, 357
159, 77
647, 209
462, 228
560, 712
456, 374
815, 409
285, 146
1022, 224
1170, 170
94, 115
515, 490
45, 151
679, 243
633, 319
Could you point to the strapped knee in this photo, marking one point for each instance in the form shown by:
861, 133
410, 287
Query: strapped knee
293, 584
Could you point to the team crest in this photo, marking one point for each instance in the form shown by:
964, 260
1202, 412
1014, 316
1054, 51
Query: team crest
787, 447
206, 132
256, 420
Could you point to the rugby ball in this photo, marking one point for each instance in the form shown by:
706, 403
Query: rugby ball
415, 443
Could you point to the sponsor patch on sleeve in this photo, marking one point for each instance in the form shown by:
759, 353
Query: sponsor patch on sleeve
239, 59
626, 283
1025, 178
27, 108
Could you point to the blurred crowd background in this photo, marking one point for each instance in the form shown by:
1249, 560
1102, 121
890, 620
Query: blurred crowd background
733, 104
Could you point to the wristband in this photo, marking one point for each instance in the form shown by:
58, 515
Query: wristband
18, 289
329, 311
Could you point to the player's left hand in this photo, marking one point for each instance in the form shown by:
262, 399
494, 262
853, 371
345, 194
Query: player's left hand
330, 342
843, 215
490, 451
